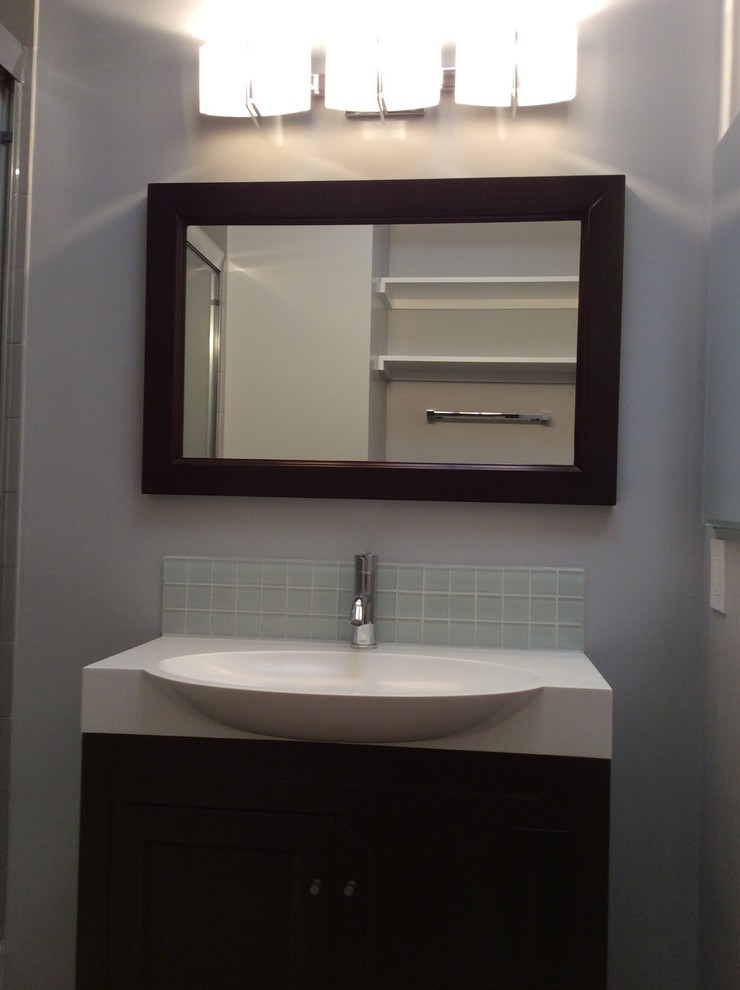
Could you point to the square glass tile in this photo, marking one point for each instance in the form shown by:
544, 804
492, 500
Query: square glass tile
488, 607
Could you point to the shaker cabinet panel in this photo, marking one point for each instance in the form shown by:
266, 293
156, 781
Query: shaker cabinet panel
445, 905
210, 898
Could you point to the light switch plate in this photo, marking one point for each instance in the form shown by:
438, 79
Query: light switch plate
717, 574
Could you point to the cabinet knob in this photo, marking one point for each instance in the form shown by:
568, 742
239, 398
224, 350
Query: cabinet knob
349, 888
315, 888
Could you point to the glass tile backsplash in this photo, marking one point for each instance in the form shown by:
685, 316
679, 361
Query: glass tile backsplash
431, 605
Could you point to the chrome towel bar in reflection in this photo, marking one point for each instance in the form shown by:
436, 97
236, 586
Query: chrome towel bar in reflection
448, 416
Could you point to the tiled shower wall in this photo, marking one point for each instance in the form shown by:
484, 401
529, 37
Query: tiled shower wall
433, 605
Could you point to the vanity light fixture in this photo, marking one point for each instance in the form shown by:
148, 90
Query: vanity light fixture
400, 73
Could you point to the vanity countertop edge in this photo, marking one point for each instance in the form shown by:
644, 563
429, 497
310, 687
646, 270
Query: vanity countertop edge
570, 716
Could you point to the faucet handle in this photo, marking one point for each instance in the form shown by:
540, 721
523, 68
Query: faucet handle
365, 570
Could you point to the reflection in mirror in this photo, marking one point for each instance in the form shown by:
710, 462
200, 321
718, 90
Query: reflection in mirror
203, 337
342, 342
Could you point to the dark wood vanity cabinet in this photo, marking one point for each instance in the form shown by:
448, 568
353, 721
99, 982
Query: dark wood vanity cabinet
225, 864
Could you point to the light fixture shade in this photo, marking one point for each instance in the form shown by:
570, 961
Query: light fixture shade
396, 72
485, 63
351, 81
224, 82
264, 77
280, 75
410, 70
547, 63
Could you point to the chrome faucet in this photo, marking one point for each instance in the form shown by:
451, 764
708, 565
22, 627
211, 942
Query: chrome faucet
362, 618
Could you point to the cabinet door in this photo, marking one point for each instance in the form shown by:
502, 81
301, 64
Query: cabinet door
432, 906
204, 899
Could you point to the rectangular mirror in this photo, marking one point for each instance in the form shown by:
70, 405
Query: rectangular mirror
432, 339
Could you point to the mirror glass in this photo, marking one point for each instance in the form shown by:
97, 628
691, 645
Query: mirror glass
431, 339
393, 342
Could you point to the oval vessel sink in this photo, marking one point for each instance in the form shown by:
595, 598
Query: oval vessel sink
344, 695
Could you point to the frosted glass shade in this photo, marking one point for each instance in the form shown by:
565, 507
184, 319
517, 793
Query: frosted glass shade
280, 72
547, 62
398, 72
410, 71
274, 77
485, 64
351, 81
224, 82
539, 59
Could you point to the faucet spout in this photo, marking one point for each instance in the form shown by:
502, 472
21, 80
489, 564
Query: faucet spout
359, 610
362, 616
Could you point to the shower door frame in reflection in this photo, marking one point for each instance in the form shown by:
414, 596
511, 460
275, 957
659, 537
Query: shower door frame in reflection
201, 413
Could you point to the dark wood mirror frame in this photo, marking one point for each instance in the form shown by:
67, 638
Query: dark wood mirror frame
596, 201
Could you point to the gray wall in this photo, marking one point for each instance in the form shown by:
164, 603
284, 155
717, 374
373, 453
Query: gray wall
17, 17
116, 108
720, 888
720, 873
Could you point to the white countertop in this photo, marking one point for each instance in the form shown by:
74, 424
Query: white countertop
570, 716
